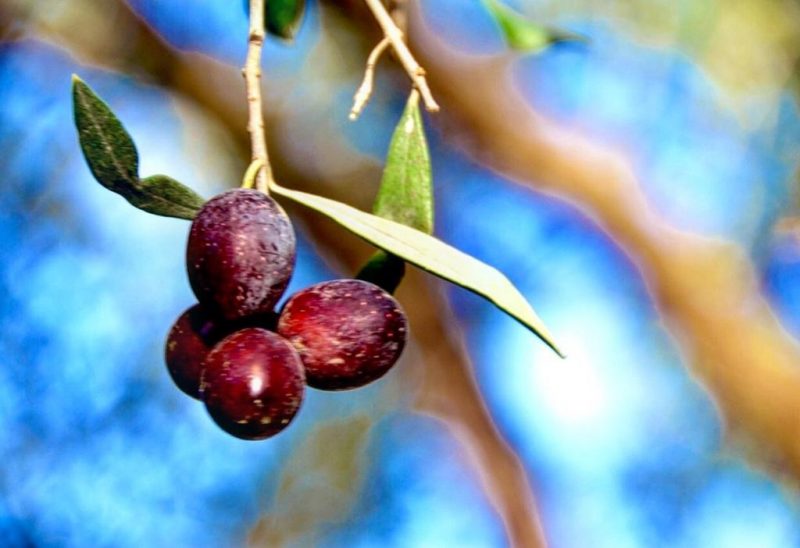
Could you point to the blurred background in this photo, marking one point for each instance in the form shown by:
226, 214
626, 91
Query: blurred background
639, 189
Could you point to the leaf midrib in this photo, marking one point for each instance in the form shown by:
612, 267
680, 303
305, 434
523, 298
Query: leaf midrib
107, 145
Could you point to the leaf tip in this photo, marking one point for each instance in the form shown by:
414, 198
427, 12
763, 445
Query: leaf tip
547, 339
537, 327
79, 87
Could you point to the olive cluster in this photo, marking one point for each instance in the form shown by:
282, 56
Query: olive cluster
247, 363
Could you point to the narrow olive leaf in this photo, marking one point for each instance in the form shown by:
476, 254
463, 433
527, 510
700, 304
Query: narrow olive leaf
114, 162
283, 17
406, 194
107, 146
523, 34
430, 254
162, 195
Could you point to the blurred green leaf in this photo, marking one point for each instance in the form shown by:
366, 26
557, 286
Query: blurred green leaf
111, 154
406, 193
430, 254
283, 17
523, 34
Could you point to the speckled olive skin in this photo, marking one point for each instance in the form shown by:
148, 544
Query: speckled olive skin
348, 332
191, 338
188, 343
241, 254
253, 383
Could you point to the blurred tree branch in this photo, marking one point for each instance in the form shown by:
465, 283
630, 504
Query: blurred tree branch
319, 484
706, 289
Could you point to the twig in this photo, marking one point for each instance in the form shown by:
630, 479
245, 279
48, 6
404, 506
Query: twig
395, 37
252, 76
365, 89
249, 179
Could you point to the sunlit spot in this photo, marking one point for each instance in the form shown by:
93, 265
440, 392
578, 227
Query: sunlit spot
257, 379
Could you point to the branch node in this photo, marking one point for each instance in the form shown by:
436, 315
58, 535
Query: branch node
395, 36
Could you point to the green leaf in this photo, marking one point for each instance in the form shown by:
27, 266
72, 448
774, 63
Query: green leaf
406, 194
430, 254
283, 17
522, 34
107, 146
113, 160
162, 195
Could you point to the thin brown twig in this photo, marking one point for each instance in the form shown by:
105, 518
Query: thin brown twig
252, 76
410, 64
364, 91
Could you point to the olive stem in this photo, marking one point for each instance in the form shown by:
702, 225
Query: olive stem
249, 179
252, 76
396, 37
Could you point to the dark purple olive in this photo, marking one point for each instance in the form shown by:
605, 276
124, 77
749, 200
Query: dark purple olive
188, 343
241, 254
191, 338
348, 332
253, 383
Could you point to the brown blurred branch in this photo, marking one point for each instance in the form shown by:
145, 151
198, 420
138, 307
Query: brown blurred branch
706, 289
319, 484
450, 393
